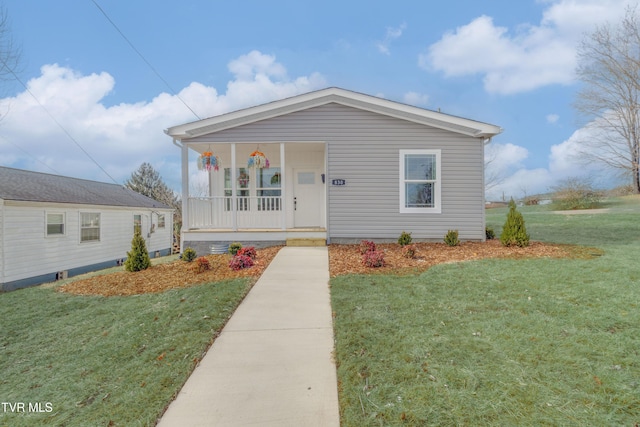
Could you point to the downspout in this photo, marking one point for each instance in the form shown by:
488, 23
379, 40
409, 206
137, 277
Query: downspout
485, 142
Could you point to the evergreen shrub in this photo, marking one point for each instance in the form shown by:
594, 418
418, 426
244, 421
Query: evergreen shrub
514, 232
138, 257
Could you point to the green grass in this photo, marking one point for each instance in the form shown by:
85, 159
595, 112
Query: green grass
96, 361
499, 342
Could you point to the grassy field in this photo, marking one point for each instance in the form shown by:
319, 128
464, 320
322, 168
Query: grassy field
500, 342
70, 360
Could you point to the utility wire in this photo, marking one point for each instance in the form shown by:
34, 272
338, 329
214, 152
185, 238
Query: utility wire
30, 155
26, 88
173, 92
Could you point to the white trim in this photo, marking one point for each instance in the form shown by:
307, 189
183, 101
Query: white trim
46, 224
339, 96
437, 208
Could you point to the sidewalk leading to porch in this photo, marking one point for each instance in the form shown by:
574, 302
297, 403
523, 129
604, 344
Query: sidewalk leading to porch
272, 364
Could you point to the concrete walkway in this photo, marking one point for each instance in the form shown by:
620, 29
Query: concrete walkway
272, 364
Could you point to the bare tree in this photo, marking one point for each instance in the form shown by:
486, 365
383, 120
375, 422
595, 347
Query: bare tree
10, 52
609, 67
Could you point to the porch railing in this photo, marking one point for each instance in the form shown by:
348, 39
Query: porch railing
251, 212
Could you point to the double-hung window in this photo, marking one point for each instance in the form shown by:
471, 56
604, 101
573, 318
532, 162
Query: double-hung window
55, 224
420, 181
268, 189
89, 227
242, 189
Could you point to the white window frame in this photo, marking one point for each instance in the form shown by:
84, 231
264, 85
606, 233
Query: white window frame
162, 219
99, 227
46, 224
437, 207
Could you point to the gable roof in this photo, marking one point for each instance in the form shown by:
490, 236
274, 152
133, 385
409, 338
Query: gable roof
334, 95
22, 185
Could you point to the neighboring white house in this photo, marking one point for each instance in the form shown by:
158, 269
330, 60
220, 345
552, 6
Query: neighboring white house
53, 226
343, 166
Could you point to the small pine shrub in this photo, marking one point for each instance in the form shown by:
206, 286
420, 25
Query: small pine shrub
138, 257
490, 233
189, 254
409, 251
373, 259
239, 262
367, 246
404, 239
249, 251
234, 248
514, 232
202, 265
451, 238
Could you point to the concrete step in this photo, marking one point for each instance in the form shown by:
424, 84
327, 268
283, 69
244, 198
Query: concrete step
309, 241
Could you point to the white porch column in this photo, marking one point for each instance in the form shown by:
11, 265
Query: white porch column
234, 198
283, 204
186, 220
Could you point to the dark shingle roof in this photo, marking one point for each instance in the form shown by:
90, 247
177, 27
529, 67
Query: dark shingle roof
17, 184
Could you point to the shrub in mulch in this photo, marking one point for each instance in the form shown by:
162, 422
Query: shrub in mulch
240, 262
373, 259
367, 246
202, 265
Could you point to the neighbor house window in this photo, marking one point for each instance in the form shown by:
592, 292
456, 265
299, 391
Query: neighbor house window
55, 224
420, 181
89, 227
161, 220
137, 224
242, 188
268, 189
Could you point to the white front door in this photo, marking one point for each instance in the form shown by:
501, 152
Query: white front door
308, 198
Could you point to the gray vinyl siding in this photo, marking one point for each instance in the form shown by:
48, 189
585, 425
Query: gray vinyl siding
363, 148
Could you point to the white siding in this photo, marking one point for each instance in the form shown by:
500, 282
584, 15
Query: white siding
363, 148
29, 252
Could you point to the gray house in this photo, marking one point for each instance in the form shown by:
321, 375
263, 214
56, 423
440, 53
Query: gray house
342, 166
53, 226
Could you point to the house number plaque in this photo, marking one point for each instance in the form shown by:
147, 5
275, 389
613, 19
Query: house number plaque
338, 182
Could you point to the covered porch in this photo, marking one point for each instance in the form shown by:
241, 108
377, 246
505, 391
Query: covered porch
253, 192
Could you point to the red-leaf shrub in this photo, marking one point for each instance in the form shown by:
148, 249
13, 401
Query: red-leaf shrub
202, 265
239, 262
373, 259
367, 246
249, 251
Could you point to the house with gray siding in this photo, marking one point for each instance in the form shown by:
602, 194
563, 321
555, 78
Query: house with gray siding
342, 166
53, 227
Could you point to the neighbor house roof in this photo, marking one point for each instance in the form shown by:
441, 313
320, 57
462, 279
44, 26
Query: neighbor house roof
22, 185
340, 96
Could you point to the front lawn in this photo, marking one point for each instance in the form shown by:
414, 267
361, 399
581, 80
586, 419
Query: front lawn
499, 341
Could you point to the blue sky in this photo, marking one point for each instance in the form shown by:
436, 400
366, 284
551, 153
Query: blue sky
503, 62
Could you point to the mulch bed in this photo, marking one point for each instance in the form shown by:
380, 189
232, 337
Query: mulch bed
343, 259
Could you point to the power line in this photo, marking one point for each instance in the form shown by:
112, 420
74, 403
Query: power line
26, 88
173, 92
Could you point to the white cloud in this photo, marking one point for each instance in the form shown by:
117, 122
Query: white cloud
522, 58
552, 118
415, 98
391, 35
508, 161
121, 137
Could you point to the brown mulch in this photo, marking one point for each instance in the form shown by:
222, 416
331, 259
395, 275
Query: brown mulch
162, 277
346, 259
343, 259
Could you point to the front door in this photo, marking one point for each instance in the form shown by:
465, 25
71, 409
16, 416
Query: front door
308, 198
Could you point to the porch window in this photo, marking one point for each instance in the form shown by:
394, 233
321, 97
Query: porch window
420, 181
55, 224
89, 227
242, 189
268, 189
